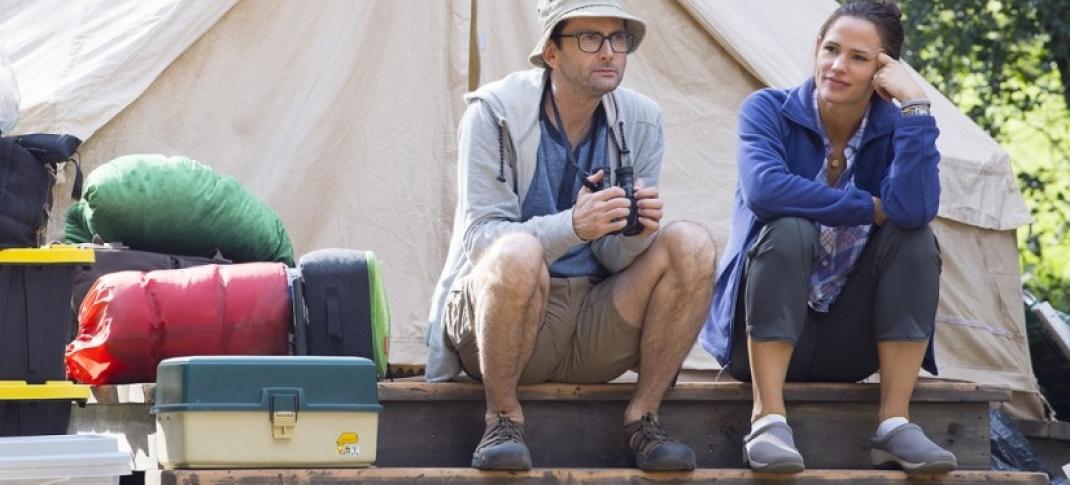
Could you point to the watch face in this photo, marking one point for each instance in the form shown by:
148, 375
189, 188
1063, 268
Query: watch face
918, 110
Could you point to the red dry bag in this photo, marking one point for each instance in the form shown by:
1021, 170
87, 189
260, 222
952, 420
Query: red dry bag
131, 320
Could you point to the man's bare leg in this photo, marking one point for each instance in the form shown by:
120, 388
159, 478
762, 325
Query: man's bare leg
509, 287
666, 293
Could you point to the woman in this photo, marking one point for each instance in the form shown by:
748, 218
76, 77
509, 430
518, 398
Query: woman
832, 272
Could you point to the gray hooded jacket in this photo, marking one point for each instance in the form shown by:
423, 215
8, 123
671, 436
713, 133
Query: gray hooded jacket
498, 141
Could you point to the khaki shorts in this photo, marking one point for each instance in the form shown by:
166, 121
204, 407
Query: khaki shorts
582, 338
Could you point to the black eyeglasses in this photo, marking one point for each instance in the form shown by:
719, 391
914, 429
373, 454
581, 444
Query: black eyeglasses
591, 42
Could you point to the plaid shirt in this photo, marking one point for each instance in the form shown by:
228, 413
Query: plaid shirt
838, 247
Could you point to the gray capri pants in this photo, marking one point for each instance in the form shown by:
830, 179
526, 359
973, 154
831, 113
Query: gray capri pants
891, 295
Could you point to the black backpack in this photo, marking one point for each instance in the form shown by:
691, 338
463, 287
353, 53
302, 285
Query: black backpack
28, 165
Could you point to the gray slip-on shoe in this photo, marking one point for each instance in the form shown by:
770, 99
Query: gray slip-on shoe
908, 448
502, 446
771, 449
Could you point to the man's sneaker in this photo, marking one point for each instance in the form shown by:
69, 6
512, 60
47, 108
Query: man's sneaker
502, 446
771, 449
654, 449
908, 448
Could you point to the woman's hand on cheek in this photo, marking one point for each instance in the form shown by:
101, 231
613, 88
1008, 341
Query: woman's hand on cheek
893, 81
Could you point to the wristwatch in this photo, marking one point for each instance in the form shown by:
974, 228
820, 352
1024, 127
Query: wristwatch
916, 110
916, 107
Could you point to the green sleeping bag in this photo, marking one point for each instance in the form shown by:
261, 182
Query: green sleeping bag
76, 229
178, 206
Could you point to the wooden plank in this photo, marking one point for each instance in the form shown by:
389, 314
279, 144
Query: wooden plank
413, 390
1052, 454
124, 394
1052, 430
589, 433
1051, 443
693, 391
555, 475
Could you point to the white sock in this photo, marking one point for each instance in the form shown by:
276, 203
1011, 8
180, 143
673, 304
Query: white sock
767, 419
764, 420
890, 424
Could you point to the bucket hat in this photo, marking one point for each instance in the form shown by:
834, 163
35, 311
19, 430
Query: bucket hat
552, 12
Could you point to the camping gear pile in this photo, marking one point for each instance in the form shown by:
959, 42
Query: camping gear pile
203, 269
189, 264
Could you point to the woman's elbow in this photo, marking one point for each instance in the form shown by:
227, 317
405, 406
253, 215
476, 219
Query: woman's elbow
911, 217
762, 203
759, 207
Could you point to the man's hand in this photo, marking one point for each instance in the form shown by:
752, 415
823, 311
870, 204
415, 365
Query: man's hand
879, 217
650, 208
599, 213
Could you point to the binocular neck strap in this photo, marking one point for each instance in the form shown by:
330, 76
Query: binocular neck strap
572, 169
79, 179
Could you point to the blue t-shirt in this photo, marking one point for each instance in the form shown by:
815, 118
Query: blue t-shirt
556, 184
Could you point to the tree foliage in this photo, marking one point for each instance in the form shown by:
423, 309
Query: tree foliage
992, 55
1006, 64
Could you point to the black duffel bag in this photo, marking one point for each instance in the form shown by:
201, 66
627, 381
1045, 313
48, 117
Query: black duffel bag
28, 165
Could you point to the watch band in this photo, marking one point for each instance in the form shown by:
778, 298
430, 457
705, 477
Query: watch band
914, 102
916, 110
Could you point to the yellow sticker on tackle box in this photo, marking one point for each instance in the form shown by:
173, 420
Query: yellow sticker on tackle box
347, 444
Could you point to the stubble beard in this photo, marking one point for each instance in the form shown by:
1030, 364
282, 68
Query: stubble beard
585, 80
599, 87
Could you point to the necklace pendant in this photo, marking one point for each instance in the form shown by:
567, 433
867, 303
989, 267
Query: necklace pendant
835, 163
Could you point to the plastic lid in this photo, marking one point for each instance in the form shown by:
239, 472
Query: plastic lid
56, 254
62, 456
261, 383
50, 390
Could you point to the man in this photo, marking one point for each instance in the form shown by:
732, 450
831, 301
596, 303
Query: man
538, 286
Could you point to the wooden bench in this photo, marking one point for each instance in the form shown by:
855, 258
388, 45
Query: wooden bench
438, 425
579, 426
576, 475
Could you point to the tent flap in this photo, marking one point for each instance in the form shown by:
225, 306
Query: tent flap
84, 62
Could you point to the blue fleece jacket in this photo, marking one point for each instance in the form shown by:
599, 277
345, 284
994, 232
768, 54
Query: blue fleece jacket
781, 150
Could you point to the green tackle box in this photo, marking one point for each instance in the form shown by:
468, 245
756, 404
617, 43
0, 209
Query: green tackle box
266, 412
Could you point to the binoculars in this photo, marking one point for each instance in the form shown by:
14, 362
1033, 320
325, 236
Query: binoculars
626, 181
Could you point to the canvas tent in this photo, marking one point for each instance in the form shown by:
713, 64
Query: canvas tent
342, 116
